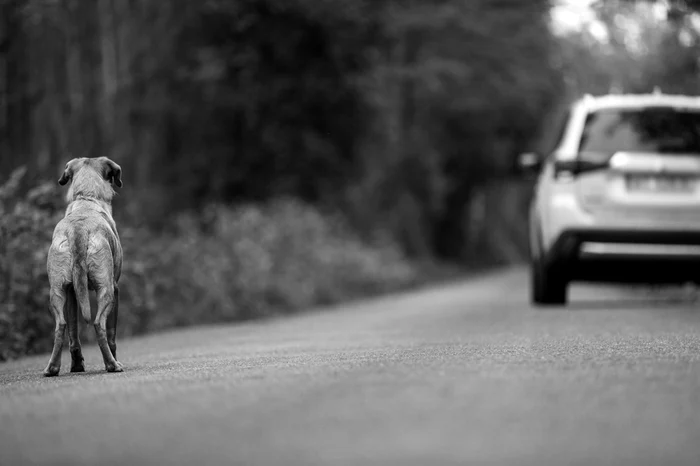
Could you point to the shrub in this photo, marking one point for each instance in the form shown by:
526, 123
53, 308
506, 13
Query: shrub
251, 261
26, 226
220, 265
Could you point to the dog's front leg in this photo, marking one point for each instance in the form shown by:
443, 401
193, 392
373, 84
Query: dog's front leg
112, 323
105, 301
76, 353
57, 302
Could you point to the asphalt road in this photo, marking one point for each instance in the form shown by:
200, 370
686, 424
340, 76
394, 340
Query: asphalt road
462, 374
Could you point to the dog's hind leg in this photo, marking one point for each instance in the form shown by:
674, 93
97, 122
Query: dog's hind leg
57, 302
112, 323
105, 301
76, 353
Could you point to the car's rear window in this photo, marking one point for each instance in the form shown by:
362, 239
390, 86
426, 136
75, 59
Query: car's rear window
664, 130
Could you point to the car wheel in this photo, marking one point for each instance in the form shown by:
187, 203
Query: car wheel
548, 284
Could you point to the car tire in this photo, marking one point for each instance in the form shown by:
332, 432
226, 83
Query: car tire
548, 284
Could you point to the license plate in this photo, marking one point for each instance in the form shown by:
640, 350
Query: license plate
660, 184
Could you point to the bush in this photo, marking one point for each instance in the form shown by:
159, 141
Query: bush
220, 265
26, 226
235, 264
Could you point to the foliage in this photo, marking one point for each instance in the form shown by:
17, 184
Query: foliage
256, 260
386, 109
218, 266
26, 226
647, 45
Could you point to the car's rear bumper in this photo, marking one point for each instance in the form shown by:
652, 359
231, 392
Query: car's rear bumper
629, 256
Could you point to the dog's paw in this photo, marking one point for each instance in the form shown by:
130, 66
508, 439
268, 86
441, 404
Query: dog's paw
52, 371
77, 367
116, 367
77, 362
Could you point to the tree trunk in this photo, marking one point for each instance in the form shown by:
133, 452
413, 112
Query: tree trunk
109, 71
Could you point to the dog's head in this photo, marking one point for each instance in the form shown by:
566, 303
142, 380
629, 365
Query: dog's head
91, 178
103, 166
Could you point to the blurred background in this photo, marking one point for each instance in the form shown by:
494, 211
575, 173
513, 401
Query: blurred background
282, 154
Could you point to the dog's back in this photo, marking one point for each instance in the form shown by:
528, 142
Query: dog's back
82, 253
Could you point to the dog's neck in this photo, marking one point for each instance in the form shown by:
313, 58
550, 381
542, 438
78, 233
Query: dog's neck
107, 206
89, 187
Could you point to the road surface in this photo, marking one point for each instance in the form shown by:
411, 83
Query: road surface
462, 374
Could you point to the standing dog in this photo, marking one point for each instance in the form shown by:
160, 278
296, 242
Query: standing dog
86, 254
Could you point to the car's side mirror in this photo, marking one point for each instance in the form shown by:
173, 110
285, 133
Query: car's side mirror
529, 162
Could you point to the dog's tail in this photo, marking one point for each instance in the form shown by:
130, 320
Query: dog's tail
80, 273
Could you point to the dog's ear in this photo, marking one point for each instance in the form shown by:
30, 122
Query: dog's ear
113, 172
67, 173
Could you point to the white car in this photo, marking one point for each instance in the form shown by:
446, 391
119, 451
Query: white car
617, 199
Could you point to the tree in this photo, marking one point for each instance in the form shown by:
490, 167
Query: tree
392, 110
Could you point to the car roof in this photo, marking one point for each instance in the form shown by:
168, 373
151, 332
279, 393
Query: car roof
593, 103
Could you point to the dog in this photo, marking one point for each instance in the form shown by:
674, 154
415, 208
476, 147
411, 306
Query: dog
86, 254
